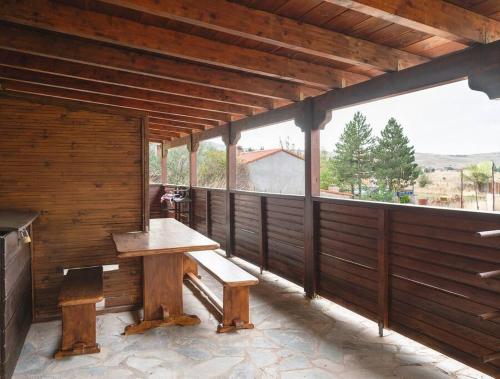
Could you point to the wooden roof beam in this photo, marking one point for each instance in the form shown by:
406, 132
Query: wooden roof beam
105, 75
177, 124
159, 109
435, 17
154, 126
48, 44
54, 16
178, 119
273, 29
119, 91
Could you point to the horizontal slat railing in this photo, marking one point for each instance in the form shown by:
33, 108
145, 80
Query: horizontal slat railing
410, 268
435, 294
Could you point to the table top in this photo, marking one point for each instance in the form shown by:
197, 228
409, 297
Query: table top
166, 235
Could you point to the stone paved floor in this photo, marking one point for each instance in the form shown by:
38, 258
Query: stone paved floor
293, 338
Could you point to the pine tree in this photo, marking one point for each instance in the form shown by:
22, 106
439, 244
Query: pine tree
352, 161
395, 166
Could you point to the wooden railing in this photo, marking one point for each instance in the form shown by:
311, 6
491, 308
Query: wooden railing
409, 268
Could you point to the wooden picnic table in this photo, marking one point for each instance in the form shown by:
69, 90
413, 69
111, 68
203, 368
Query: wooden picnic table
162, 250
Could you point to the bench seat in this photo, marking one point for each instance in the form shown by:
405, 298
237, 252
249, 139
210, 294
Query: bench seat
222, 269
80, 291
82, 286
236, 282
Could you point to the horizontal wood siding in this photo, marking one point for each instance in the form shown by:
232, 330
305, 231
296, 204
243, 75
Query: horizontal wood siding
155, 194
347, 256
200, 209
82, 171
435, 294
246, 228
285, 237
218, 217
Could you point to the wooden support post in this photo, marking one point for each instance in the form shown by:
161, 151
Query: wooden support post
230, 140
145, 173
164, 160
208, 214
193, 174
262, 220
383, 270
493, 169
311, 122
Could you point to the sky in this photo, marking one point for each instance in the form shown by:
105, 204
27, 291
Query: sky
449, 119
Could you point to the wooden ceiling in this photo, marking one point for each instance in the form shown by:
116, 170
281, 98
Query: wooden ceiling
195, 64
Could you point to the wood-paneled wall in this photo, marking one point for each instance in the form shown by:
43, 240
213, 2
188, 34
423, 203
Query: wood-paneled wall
82, 170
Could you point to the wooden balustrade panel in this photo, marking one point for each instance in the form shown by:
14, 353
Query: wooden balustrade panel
155, 194
284, 220
436, 294
246, 227
218, 216
82, 171
199, 198
347, 256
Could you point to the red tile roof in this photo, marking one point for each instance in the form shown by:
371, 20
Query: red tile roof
252, 156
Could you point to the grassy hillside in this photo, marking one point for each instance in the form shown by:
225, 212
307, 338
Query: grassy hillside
438, 161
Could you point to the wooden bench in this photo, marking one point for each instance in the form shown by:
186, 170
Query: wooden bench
80, 291
236, 283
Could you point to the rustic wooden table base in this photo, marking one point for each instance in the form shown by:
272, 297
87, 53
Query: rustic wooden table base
143, 326
163, 278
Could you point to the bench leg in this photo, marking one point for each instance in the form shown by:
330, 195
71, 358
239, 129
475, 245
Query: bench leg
78, 331
189, 266
236, 312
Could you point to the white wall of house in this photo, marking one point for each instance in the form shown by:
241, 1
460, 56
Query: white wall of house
278, 173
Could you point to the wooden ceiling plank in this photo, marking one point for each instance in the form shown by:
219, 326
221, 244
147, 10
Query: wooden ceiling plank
48, 44
177, 123
273, 29
7, 72
153, 126
36, 89
54, 16
160, 117
105, 75
436, 17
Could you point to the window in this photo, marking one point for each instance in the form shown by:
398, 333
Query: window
438, 146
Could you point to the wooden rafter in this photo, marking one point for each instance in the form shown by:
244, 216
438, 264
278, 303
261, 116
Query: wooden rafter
176, 123
49, 15
119, 91
276, 30
435, 17
47, 44
153, 126
179, 119
159, 109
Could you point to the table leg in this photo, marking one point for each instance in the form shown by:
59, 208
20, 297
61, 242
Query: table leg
162, 293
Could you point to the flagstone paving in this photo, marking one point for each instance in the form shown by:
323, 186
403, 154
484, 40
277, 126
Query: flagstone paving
293, 338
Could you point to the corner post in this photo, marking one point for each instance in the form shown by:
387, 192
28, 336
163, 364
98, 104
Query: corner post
145, 172
230, 139
383, 269
311, 122
193, 169
164, 160
192, 147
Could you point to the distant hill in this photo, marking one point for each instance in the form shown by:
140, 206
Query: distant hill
439, 161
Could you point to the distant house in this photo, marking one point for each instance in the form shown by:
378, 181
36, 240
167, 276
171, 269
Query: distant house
274, 170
